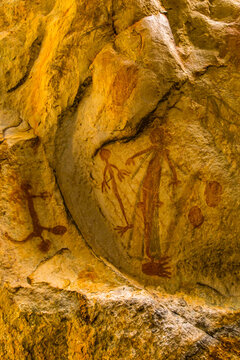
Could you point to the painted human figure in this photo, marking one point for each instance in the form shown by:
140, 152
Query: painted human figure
37, 227
150, 196
109, 170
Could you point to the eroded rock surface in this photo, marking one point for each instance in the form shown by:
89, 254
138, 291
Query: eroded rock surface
119, 160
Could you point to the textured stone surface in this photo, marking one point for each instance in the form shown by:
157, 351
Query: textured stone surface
119, 161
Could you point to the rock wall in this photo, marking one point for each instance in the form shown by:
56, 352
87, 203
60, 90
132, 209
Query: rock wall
119, 161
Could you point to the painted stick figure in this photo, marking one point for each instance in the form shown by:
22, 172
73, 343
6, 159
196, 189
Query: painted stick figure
150, 196
108, 170
37, 227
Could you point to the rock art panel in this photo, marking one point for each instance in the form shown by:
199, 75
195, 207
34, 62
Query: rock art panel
136, 104
127, 113
147, 182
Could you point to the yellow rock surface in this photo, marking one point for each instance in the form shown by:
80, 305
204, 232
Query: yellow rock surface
119, 161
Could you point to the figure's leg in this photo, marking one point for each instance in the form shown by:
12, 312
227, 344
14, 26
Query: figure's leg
140, 205
147, 238
151, 203
120, 229
121, 204
157, 202
29, 237
147, 209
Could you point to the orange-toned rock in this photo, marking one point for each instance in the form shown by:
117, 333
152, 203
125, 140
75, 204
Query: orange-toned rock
113, 114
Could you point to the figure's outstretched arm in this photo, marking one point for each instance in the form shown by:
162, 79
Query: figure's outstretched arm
131, 159
57, 230
42, 195
175, 179
26, 188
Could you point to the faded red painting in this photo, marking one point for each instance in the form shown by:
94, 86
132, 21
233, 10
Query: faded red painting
150, 188
195, 216
124, 84
213, 192
38, 229
109, 178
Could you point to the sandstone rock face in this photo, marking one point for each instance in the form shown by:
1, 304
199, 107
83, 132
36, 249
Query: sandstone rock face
119, 161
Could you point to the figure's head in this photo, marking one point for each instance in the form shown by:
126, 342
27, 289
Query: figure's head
105, 154
215, 187
160, 136
157, 135
26, 187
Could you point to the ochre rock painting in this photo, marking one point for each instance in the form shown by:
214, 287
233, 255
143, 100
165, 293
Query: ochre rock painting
124, 84
37, 227
108, 170
159, 138
195, 216
84, 74
213, 192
